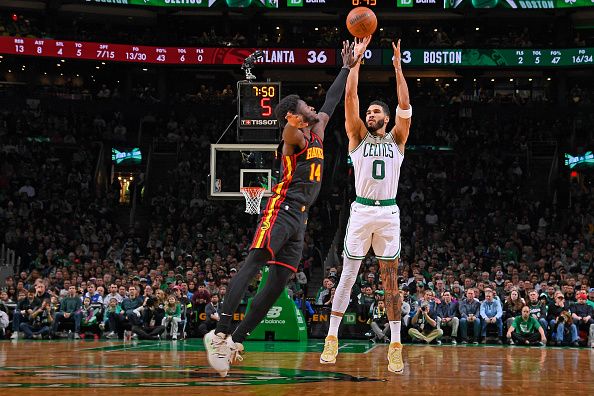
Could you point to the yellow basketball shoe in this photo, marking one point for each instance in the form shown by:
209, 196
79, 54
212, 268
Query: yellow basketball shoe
395, 363
330, 350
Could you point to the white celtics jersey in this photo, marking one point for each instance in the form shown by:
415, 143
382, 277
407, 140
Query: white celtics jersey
377, 164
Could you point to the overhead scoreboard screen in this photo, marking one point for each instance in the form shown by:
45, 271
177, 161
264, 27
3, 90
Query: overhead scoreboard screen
518, 4
307, 57
163, 55
345, 4
496, 57
476, 57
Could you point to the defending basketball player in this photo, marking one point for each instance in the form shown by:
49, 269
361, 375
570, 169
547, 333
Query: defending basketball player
375, 216
279, 237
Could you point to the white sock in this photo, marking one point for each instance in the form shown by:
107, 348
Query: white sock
394, 331
334, 324
350, 269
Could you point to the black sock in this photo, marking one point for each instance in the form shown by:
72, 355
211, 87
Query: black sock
238, 286
263, 301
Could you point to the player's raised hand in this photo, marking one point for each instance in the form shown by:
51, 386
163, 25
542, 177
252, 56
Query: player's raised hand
361, 46
397, 56
296, 120
348, 58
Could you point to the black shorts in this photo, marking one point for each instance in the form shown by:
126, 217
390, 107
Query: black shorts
281, 231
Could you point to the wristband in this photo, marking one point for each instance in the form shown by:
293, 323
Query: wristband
404, 113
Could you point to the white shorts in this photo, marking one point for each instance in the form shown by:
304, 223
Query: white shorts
377, 226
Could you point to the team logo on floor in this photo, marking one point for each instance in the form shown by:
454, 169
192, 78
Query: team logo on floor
113, 376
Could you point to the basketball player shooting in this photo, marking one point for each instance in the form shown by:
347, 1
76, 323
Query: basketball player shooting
375, 216
279, 237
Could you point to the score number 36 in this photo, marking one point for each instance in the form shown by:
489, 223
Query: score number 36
315, 57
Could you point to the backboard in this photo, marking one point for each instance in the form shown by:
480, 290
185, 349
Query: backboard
233, 166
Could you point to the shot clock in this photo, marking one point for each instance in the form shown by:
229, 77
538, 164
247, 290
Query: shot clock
256, 104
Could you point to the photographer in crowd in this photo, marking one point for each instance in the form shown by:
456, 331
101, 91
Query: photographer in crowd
424, 322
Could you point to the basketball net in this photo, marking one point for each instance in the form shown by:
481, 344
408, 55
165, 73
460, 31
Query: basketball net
253, 197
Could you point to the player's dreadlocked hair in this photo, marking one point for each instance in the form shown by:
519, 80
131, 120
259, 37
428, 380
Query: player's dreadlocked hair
288, 103
383, 105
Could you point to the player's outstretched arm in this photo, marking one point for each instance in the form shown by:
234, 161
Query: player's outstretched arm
354, 126
336, 89
291, 132
404, 110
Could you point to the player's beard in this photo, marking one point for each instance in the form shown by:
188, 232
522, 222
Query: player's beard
311, 119
379, 124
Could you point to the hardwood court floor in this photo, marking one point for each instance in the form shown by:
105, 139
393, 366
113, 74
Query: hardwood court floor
285, 368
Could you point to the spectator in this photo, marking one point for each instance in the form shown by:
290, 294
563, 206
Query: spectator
301, 279
160, 301
93, 294
148, 331
111, 311
307, 309
212, 315
27, 303
379, 322
39, 322
405, 311
113, 293
424, 322
554, 311
512, 307
526, 330
172, 316
590, 301
491, 313
439, 289
566, 332
447, 313
365, 298
328, 298
582, 315
4, 322
70, 311
127, 316
538, 309
201, 297
89, 319
470, 315
40, 291
327, 285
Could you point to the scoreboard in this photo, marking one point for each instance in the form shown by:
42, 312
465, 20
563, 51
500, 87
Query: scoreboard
475, 57
346, 4
274, 4
317, 57
162, 55
495, 57
256, 104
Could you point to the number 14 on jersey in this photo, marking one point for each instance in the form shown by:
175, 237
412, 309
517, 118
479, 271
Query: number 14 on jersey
315, 172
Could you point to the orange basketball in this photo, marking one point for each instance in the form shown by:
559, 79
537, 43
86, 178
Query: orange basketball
361, 22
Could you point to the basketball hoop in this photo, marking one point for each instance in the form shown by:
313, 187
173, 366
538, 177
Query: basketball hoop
253, 197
